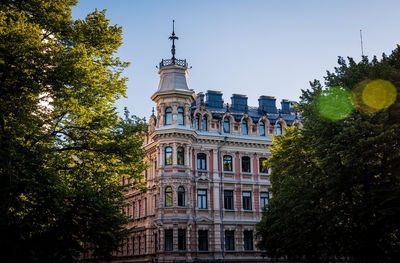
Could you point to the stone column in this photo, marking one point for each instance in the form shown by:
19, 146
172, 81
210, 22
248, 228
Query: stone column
174, 154
187, 116
187, 155
161, 156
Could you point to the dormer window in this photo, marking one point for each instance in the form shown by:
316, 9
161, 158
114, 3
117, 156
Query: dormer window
180, 116
168, 116
262, 128
278, 129
197, 122
244, 127
204, 123
226, 126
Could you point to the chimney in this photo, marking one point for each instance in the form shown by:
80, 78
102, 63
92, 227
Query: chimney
239, 102
267, 104
214, 99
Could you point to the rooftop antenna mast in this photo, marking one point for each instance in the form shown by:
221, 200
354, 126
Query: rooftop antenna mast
362, 48
173, 37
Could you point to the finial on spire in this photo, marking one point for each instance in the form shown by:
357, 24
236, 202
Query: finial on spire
173, 37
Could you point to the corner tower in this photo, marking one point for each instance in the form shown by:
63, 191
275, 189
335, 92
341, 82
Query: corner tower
173, 96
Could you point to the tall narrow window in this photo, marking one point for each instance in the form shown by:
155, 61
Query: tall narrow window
127, 246
180, 116
145, 243
244, 127
246, 196
133, 210
227, 163
203, 240
155, 242
201, 161
204, 123
168, 116
227, 128
278, 129
248, 240
262, 128
264, 198
180, 156
263, 165
128, 211
202, 199
228, 199
140, 209
133, 245
168, 156
168, 196
181, 196
246, 164
168, 239
182, 239
197, 122
139, 244
145, 207
229, 240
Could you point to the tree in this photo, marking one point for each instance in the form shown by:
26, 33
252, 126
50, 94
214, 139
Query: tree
336, 182
63, 147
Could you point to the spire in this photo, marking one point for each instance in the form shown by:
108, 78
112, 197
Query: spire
173, 37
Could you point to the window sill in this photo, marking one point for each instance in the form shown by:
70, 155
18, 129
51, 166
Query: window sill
202, 209
264, 174
246, 173
228, 172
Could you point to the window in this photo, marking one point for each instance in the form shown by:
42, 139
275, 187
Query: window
155, 242
180, 116
180, 156
263, 165
201, 161
262, 128
181, 196
264, 198
127, 246
246, 200
197, 122
140, 209
204, 123
229, 240
168, 239
139, 243
145, 243
202, 199
228, 200
227, 128
248, 240
244, 127
203, 240
133, 245
246, 164
145, 207
128, 212
182, 239
133, 210
168, 156
278, 129
168, 116
228, 163
168, 196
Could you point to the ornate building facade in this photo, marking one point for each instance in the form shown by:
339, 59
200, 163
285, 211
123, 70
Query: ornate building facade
207, 182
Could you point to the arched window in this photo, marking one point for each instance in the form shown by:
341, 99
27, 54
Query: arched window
180, 156
204, 123
244, 127
262, 128
227, 128
263, 165
278, 129
201, 161
168, 156
168, 196
180, 116
181, 196
168, 116
197, 122
246, 164
228, 163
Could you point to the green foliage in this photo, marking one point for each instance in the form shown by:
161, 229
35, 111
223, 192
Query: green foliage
336, 184
63, 147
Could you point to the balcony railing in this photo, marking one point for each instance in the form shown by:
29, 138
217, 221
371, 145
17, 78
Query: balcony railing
170, 62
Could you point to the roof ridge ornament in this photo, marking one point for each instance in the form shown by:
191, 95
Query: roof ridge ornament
173, 37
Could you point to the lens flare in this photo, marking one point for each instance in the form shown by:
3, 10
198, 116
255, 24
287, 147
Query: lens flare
335, 103
379, 94
370, 96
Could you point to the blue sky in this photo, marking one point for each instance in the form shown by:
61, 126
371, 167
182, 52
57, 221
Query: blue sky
248, 47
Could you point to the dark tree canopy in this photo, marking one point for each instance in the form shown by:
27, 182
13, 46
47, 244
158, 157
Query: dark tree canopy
63, 147
336, 183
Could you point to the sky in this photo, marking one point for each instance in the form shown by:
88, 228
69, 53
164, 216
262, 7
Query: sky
270, 47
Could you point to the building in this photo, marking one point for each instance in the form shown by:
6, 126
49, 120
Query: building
208, 182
